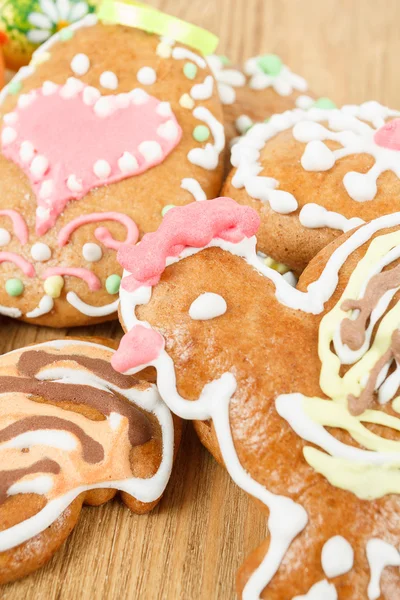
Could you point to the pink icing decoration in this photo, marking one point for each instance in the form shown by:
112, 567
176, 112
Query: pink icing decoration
18, 260
90, 278
194, 225
72, 137
140, 346
388, 136
19, 225
102, 233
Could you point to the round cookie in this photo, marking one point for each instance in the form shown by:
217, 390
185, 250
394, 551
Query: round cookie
313, 174
295, 391
266, 87
29, 23
96, 141
73, 432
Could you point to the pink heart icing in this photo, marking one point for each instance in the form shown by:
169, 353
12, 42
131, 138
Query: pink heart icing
69, 139
388, 136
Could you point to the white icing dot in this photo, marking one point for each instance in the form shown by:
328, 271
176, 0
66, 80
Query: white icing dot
26, 152
138, 96
146, 76
74, 184
42, 213
317, 157
40, 252
163, 50
304, 102
91, 95
26, 99
92, 252
337, 557
122, 100
151, 151
10, 118
168, 130
71, 88
101, 169
80, 64
103, 107
39, 166
5, 237
49, 88
243, 123
207, 306
127, 163
109, 80
8, 136
46, 189
360, 187
164, 109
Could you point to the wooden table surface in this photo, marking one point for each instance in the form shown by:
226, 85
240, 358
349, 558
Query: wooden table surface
191, 545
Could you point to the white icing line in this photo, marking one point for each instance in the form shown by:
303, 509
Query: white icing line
90, 310
46, 305
380, 555
203, 91
208, 157
193, 187
184, 54
314, 216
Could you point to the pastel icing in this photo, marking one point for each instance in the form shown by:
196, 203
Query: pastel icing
61, 164
388, 136
194, 227
140, 346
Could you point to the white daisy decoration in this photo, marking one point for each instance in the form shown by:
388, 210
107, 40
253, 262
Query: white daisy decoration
54, 16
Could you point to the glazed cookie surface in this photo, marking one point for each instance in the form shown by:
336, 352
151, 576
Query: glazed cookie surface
73, 432
313, 174
301, 387
264, 87
99, 135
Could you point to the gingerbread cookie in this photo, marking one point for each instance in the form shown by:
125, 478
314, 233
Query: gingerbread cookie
301, 387
266, 87
73, 432
312, 175
97, 140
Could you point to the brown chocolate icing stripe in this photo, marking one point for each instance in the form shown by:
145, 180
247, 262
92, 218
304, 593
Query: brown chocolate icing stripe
353, 331
8, 478
92, 451
32, 361
358, 405
104, 402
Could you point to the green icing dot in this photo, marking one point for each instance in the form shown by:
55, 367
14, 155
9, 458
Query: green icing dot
201, 133
270, 64
167, 208
225, 60
14, 87
14, 287
324, 103
190, 70
112, 284
66, 34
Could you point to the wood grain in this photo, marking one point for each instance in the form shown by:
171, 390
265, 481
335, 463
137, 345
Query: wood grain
190, 547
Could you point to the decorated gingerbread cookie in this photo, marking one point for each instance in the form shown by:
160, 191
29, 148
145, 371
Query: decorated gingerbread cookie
312, 175
97, 140
266, 86
295, 391
73, 432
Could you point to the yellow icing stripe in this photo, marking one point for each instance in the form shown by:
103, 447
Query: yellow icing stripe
331, 414
141, 16
365, 481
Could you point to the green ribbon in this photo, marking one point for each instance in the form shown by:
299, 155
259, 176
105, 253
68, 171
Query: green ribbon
141, 16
